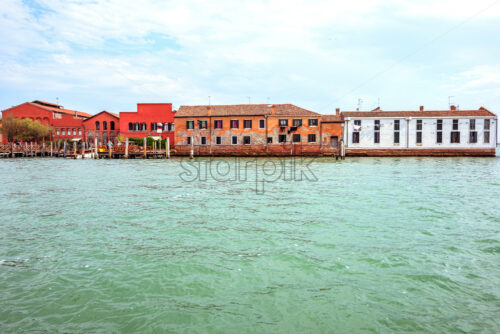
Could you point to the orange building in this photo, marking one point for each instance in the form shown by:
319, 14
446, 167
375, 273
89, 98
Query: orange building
255, 129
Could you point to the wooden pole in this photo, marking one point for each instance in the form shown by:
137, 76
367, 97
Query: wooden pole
110, 149
51, 149
191, 152
74, 149
65, 149
12, 149
145, 154
83, 149
31, 148
126, 148
25, 149
96, 156
168, 147
43, 148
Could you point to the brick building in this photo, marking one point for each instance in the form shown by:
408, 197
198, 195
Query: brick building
151, 119
67, 124
105, 126
255, 129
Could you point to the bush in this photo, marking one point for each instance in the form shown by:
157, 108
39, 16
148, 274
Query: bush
24, 129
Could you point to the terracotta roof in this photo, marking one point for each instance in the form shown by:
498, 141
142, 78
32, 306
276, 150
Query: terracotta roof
243, 110
57, 108
104, 111
425, 113
331, 118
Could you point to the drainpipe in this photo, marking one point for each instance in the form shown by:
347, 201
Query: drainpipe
265, 120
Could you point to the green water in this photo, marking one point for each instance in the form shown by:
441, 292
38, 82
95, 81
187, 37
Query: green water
375, 245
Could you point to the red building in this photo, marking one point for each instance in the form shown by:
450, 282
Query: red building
105, 126
151, 119
67, 124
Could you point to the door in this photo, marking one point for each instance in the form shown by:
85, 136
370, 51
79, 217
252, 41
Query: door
334, 141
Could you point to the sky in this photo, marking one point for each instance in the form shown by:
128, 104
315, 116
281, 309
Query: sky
320, 55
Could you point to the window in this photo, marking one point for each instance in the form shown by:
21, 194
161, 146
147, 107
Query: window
269, 140
154, 126
97, 125
112, 125
64, 132
311, 138
282, 138
202, 124
247, 124
355, 137
376, 133
144, 127
419, 131
234, 140
190, 125
235, 124
104, 125
203, 140
313, 122
74, 132
296, 138
69, 132
297, 122
246, 140
79, 132
189, 140
57, 132
262, 124
130, 126
472, 131
455, 137
283, 122
355, 134
473, 137
218, 140
486, 131
136, 127
397, 124
396, 137
218, 124
172, 126
439, 131
455, 124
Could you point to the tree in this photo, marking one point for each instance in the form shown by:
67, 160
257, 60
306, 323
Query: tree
24, 129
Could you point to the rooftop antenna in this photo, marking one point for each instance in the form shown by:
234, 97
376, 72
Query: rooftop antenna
57, 100
449, 100
268, 100
249, 100
378, 102
360, 103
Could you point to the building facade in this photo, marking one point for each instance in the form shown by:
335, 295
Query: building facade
151, 119
66, 124
436, 132
104, 126
254, 129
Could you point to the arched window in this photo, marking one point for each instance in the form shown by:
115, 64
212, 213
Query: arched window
144, 126
112, 125
97, 125
104, 125
130, 126
153, 126
137, 127
104, 138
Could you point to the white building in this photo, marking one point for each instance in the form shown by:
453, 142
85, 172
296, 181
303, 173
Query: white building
433, 132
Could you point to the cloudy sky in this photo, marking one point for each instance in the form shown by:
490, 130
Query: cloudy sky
110, 54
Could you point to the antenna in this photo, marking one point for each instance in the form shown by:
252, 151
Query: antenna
378, 102
57, 100
449, 100
360, 103
249, 100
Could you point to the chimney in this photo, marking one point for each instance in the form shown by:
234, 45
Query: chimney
76, 114
421, 108
337, 111
453, 108
272, 110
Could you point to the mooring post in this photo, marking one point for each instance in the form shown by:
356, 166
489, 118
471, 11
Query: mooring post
191, 152
342, 150
65, 149
12, 149
126, 148
74, 149
31, 148
51, 149
110, 149
145, 154
168, 147
25, 149
43, 148
83, 149
96, 151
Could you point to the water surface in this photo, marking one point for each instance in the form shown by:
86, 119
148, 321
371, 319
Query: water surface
375, 245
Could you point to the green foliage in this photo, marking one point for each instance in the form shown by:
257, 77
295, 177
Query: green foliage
24, 129
149, 142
